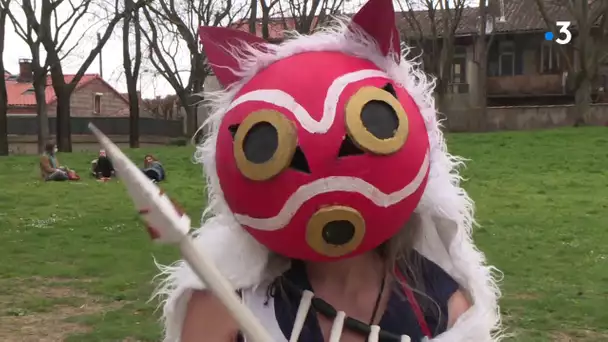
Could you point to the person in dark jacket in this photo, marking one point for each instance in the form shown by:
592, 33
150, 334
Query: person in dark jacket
102, 167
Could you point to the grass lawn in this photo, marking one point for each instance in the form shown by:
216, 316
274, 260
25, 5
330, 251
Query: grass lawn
77, 265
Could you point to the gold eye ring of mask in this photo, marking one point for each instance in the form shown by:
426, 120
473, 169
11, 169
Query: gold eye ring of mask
376, 121
264, 144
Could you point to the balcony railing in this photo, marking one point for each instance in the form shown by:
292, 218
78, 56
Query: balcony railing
526, 85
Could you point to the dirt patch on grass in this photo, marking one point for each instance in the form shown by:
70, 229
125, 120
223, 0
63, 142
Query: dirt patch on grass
562, 337
580, 336
526, 296
38, 312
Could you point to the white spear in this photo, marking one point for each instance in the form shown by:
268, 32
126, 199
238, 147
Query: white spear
167, 224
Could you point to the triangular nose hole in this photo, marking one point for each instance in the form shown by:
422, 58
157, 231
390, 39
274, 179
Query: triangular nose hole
349, 148
299, 162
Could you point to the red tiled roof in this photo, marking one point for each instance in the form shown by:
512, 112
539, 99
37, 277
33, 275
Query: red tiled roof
21, 94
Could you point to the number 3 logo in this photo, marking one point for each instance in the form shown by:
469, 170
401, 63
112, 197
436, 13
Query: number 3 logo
563, 30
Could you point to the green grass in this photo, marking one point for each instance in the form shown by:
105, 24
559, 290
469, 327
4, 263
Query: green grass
77, 253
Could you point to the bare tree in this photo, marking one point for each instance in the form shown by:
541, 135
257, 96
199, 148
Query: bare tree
132, 67
49, 28
40, 69
431, 26
253, 16
266, 14
590, 23
171, 35
4, 9
309, 14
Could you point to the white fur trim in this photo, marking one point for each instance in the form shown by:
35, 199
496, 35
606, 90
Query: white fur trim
334, 184
228, 244
282, 99
446, 209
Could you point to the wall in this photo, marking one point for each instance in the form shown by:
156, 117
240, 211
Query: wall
82, 101
28, 144
527, 118
27, 125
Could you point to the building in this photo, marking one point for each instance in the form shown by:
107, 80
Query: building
93, 97
523, 68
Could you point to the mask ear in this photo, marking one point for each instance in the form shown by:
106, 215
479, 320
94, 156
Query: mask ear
219, 45
377, 19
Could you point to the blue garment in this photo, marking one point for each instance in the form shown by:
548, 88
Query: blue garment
399, 317
52, 160
155, 171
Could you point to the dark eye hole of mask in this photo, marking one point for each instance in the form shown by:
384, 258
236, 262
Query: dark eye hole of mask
299, 161
379, 117
261, 143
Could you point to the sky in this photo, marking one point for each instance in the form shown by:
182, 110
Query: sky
150, 84
84, 38
112, 68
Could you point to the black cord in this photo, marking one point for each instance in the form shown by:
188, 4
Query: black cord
377, 305
327, 310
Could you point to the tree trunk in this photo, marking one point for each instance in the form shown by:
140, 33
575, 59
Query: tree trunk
63, 131
265, 21
189, 103
3, 119
480, 101
190, 120
133, 113
481, 107
253, 17
3, 97
582, 101
41, 111
132, 72
189, 113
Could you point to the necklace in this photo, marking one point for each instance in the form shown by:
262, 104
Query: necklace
378, 299
328, 311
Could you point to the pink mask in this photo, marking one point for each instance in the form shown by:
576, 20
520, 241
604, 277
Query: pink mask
320, 155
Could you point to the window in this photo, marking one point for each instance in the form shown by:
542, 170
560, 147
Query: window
506, 58
549, 58
459, 64
97, 103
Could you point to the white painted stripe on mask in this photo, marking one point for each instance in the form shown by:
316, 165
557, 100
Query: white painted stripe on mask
282, 99
334, 184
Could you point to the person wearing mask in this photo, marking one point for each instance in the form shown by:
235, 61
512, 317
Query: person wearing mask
334, 207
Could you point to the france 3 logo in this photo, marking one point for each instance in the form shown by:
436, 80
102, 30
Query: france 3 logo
564, 36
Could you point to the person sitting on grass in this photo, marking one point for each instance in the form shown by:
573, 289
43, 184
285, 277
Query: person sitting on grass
153, 169
102, 167
50, 169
